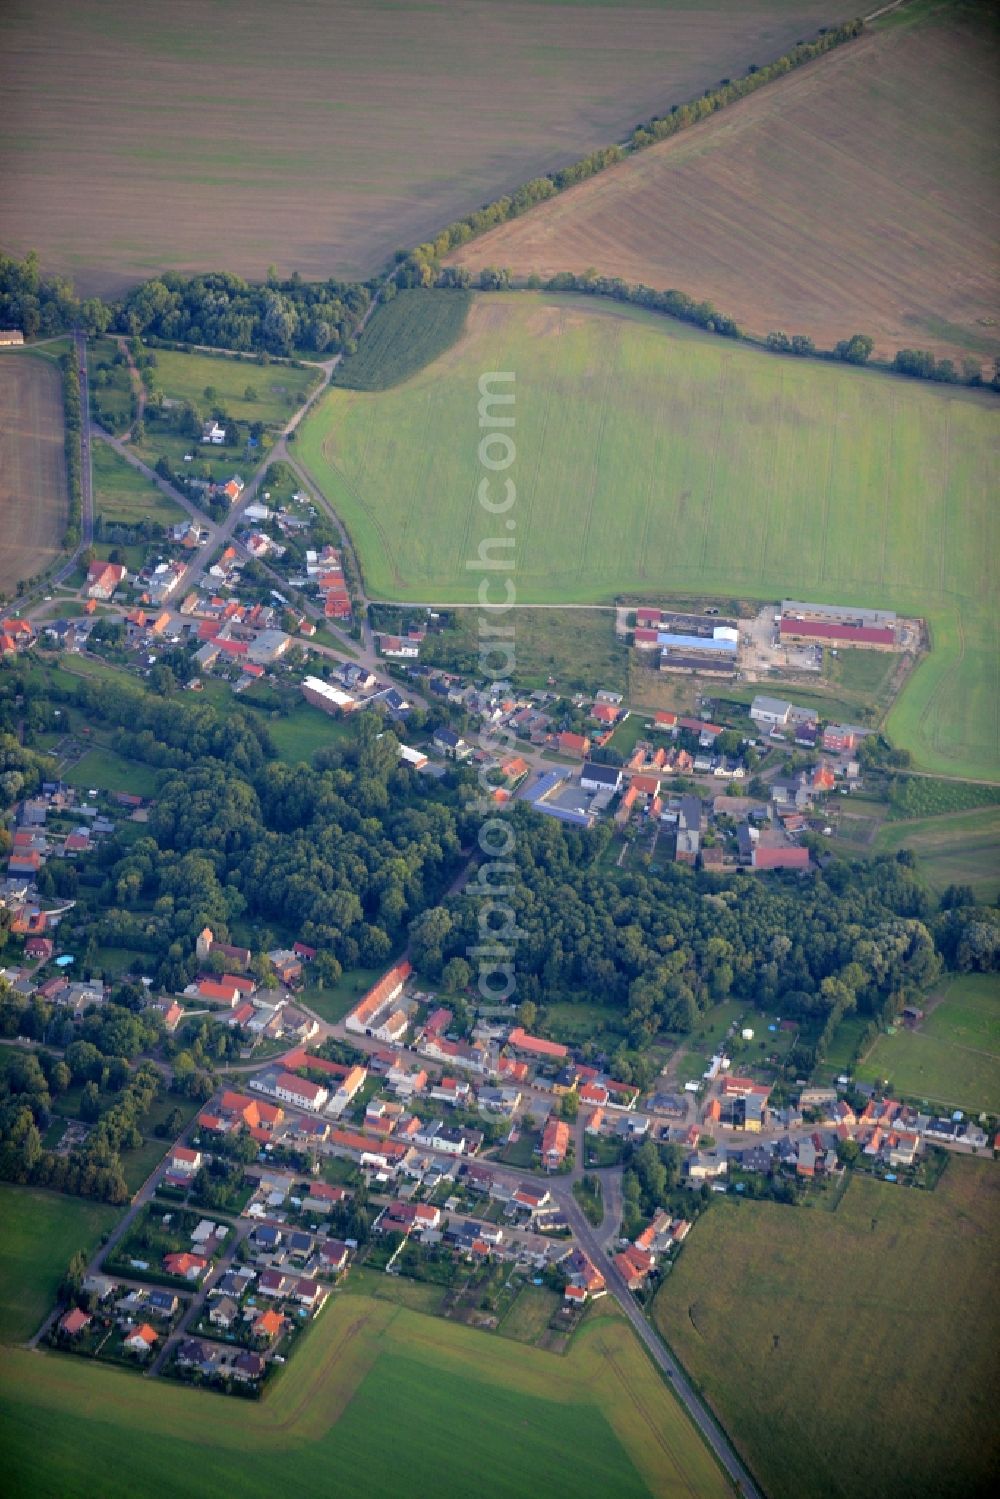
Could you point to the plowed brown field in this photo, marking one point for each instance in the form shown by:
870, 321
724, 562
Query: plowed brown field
859, 194
33, 496
323, 134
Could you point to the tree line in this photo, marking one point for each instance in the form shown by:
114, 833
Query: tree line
72, 420
918, 364
417, 267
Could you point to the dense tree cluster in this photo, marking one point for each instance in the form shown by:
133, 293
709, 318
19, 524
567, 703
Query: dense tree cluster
218, 309
665, 945
95, 1062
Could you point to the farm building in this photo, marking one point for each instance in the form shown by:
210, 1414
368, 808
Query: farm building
706, 664
323, 695
10, 337
834, 624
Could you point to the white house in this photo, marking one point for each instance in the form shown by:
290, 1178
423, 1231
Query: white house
213, 433
595, 777
770, 712
185, 1161
296, 1090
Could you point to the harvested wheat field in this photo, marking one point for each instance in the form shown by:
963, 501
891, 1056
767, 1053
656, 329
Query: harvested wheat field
322, 136
33, 495
859, 194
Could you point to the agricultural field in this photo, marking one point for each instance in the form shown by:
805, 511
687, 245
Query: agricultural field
122, 496
403, 335
952, 1058
779, 209
921, 796
325, 1419
819, 1337
33, 496
394, 119
39, 1234
654, 456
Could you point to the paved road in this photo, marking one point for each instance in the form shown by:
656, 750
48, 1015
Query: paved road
702, 1417
199, 1300
115, 1237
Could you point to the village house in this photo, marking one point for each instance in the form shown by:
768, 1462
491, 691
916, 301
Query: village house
103, 578
554, 1143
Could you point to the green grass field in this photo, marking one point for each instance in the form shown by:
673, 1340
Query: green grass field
953, 1059
576, 648
106, 770
373, 1389
280, 389
826, 1342
653, 456
961, 849
411, 330
123, 497
39, 1234
530, 1314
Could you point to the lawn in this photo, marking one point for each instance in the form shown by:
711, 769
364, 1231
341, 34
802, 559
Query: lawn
33, 495
65, 1423
953, 1059
402, 336
573, 1024
122, 496
297, 735
821, 1339
39, 1234
108, 771
530, 1314
652, 456
776, 208
333, 1003
324, 139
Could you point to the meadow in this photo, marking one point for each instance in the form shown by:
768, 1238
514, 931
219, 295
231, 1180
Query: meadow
962, 849
403, 335
573, 650
122, 496
33, 496
953, 1059
139, 139
39, 1234
325, 1420
279, 389
780, 209
106, 770
653, 457
850, 1352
